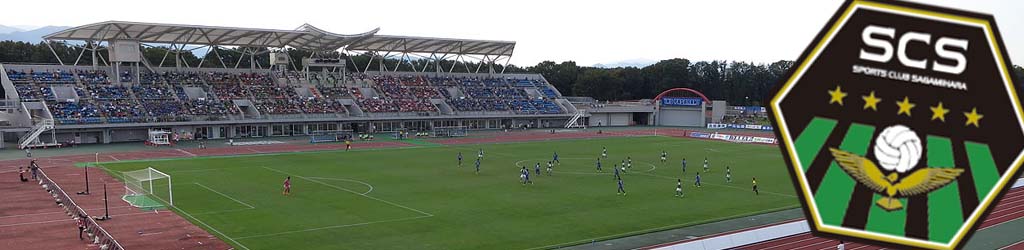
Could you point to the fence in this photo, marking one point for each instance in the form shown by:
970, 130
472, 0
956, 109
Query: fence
99, 235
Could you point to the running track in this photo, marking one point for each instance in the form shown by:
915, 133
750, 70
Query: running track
1011, 207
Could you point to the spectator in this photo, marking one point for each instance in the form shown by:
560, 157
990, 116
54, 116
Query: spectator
35, 169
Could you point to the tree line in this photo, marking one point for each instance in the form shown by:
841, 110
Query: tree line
741, 83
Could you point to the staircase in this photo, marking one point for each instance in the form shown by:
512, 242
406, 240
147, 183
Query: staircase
31, 139
576, 120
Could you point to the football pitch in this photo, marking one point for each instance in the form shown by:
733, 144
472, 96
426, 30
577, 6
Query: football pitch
419, 198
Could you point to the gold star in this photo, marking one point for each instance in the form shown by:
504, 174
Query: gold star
973, 117
837, 96
870, 101
939, 113
905, 106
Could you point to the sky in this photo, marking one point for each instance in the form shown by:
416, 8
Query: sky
588, 32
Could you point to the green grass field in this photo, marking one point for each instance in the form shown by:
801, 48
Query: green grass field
418, 198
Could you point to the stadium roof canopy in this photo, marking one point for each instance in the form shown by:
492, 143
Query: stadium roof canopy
306, 37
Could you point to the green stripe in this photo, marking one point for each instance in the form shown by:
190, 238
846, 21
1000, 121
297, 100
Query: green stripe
887, 222
811, 139
833, 196
983, 168
944, 212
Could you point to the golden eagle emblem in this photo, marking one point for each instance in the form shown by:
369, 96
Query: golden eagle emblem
918, 182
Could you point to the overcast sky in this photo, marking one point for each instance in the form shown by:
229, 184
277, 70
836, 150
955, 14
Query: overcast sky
588, 32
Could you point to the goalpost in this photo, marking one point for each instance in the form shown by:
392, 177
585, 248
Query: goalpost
148, 188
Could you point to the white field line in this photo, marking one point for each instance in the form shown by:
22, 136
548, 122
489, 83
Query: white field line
112, 157
620, 235
350, 191
333, 227
182, 211
225, 195
348, 180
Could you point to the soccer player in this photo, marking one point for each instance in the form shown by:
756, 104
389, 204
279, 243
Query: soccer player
621, 189
664, 156
604, 152
696, 183
348, 145
522, 175
556, 159
537, 168
705, 164
616, 174
599, 165
629, 160
460, 159
728, 174
287, 186
549, 168
753, 182
679, 187
528, 177
480, 154
684, 166
477, 165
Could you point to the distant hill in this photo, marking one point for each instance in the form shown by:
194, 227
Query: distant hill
30, 36
8, 29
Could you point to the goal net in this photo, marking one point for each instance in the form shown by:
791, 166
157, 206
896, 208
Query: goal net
148, 188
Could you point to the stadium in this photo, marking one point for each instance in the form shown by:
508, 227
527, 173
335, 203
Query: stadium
428, 144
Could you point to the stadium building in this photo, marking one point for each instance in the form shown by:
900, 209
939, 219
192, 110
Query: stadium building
120, 96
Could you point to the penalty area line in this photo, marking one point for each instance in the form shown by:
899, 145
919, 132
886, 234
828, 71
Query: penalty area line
225, 195
350, 191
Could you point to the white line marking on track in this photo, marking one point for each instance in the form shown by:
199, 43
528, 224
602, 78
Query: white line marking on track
112, 157
61, 212
222, 194
186, 152
68, 220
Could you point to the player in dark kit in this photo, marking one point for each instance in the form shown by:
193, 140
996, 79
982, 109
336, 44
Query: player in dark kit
556, 158
616, 177
599, 165
460, 159
537, 168
477, 165
753, 182
684, 166
696, 182
287, 186
621, 189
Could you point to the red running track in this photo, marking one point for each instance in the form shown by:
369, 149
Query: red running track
1011, 207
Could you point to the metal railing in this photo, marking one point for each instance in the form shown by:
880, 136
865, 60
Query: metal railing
98, 235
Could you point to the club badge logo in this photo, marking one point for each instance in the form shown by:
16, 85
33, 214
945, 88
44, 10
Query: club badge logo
901, 124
